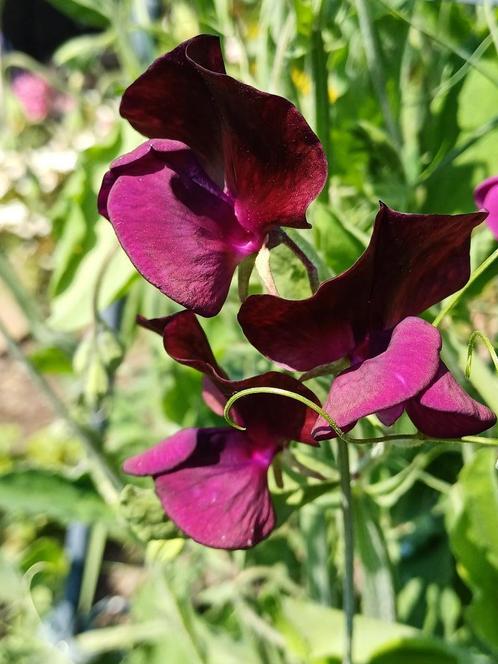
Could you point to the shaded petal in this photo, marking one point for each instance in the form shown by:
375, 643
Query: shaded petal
386, 380
266, 416
388, 416
445, 410
486, 196
185, 341
274, 165
171, 100
177, 228
218, 495
412, 262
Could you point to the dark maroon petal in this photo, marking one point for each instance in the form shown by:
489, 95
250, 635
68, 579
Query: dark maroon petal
171, 100
486, 196
275, 417
412, 262
388, 416
177, 228
303, 334
274, 165
445, 410
386, 380
218, 493
265, 415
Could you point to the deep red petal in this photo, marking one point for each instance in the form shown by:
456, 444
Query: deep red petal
267, 416
445, 410
274, 165
412, 262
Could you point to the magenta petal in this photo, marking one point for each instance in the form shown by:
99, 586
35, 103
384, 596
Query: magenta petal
164, 456
486, 196
412, 262
386, 380
273, 163
218, 495
445, 410
177, 228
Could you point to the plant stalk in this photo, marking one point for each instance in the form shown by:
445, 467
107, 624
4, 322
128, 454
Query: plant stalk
453, 301
106, 481
347, 519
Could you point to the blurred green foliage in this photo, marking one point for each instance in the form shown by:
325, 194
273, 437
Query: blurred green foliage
403, 94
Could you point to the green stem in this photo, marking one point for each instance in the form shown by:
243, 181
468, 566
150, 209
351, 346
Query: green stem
489, 14
347, 519
345, 480
321, 93
416, 437
453, 301
472, 342
22, 297
105, 480
93, 563
244, 272
457, 50
477, 134
307, 263
375, 67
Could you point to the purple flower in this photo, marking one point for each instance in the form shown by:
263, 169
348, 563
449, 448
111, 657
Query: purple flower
367, 313
213, 482
486, 196
225, 164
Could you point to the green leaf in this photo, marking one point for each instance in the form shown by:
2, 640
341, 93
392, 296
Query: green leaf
94, 13
472, 525
377, 591
337, 244
33, 492
72, 309
315, 633
288, 502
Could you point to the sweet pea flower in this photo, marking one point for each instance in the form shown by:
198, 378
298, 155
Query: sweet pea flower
225, 164
212, 482
368, 313
486, 196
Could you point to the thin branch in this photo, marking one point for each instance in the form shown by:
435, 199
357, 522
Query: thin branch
308, 264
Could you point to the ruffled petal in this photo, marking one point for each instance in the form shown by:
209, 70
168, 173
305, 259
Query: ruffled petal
273, 163
177, 228
218, 493
171, 100
407, 366
266, 416
445, 410
412, 262
486, 196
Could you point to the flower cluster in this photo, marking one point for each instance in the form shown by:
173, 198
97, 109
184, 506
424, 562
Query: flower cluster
225, 164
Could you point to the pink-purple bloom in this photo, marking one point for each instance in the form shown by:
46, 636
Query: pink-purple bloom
212, 482
225, 163
486, 196
368, 314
